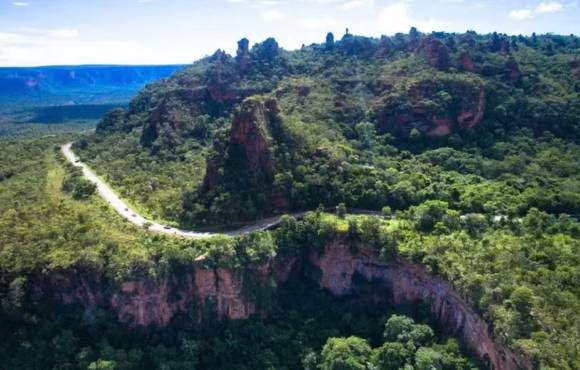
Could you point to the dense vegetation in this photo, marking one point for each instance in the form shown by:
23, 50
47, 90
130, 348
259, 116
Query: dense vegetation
480, 194
487, 123
523, 275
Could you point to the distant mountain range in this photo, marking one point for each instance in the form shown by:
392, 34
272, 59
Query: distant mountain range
73, 85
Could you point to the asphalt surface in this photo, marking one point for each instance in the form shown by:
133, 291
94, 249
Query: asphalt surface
134, 217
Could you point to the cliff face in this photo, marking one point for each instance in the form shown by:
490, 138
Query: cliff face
148, 302
407, 283
247, 160
422, 106
435, 52
250, 132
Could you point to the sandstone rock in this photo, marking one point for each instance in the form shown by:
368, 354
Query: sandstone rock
472, 111
399, 113
155, 302
250, 131
385, 46
329, 44
435, 52
512, 71
466, 62
247, 157
243, 55
406, 283
221, 78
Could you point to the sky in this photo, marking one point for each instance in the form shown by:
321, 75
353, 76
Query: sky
70, 32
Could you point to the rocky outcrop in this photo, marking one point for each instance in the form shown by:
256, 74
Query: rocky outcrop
329, 43
466, 62
153, 302
420, 107
512, 71
385, 46
435, 52
156, 302
222, 77
250, 131
146, 302
243, 57
472, 111
408, 283
248, 149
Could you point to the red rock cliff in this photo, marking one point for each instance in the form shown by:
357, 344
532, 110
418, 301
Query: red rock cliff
406, 283
148, 302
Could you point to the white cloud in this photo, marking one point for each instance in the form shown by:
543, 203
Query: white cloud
550, 7
63, 33
396, 17
521, 14
20, 3
272, 15
354, 4
542, 8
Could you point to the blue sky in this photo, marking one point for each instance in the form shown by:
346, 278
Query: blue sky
48, 32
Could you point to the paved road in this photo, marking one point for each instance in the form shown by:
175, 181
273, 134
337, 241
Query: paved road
132, 216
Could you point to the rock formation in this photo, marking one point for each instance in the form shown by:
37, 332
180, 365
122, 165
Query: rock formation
248, 144
329, 44
399, 113
435, 52
385, 46
472, 111
146, 302
243, 55
250, 131
466, 62
408, 283
512, 71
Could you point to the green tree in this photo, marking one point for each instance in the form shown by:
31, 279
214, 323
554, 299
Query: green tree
103, 365
341, 211
366, 134
350, 353
428, 359
391, 356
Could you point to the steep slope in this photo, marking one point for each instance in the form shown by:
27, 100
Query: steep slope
156, 302
357, 100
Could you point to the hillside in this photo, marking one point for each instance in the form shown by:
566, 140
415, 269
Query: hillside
367, 122
467, 145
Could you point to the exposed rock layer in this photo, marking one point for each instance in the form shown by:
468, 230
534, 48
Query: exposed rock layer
146, 302
464, 110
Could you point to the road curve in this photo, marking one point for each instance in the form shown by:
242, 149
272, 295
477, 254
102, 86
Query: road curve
135, 218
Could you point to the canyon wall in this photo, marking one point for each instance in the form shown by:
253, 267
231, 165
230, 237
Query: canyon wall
146, 302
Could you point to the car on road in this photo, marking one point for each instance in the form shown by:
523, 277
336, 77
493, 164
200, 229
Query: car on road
134, 215
167, 227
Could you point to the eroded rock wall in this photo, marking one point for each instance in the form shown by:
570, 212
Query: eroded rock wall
408, 283
155, 302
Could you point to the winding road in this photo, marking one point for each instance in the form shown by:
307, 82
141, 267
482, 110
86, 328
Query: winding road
135, 218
